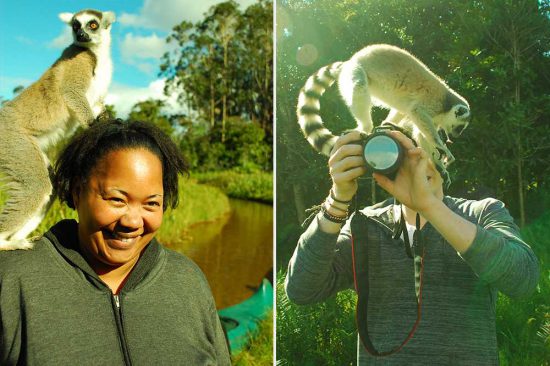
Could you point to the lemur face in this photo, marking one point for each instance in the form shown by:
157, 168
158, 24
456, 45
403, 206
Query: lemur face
458, 119
455, 116
89, 26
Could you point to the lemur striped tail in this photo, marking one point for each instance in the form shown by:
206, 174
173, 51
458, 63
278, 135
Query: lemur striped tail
309, 106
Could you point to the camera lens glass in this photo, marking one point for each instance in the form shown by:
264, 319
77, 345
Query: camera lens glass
381, 152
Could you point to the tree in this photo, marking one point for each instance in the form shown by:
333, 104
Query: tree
257, 87
219, 70
110, 109
151, 111
455, 40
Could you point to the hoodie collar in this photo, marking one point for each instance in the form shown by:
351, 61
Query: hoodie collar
64, 236
385, 214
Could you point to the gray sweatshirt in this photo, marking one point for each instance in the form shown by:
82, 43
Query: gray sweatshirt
55, 310
459, 291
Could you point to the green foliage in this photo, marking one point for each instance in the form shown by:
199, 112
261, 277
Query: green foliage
222, 65
151, 111
504, 151
259, 350
523, 326
110, 109
321, 334
56, 213
244, 147
256, 186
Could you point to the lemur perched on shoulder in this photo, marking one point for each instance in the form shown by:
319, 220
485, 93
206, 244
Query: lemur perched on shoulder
70, 93
392, 78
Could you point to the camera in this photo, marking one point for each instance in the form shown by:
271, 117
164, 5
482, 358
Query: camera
382, 152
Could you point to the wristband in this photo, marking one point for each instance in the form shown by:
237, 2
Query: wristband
336, 219
333, 196
338, 205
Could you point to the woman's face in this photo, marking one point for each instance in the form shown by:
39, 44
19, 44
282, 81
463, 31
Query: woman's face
120, 207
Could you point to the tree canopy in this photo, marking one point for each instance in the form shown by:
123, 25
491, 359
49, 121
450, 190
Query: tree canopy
222, 66
494, 53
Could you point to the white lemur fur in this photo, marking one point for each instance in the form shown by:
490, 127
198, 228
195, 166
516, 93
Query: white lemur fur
69, 94
392, 78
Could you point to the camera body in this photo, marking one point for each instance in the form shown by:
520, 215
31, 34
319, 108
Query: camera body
382, 153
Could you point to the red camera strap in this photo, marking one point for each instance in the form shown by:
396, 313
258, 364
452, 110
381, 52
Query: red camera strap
362, 304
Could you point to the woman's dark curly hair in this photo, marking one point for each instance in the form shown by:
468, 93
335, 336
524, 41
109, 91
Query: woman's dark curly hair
83, 152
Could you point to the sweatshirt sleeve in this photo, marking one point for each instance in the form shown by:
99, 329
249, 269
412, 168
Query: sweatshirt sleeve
219, 341
10, 321
320, 266
498, 255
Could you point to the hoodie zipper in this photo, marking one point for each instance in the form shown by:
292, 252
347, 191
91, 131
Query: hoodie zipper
117, 309
381, 223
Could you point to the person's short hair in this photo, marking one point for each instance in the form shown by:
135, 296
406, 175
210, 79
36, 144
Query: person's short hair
89, 146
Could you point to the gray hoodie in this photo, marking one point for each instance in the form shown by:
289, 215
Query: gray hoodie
459, 291
55, 310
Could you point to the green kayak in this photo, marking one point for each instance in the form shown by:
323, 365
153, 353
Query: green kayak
241, 320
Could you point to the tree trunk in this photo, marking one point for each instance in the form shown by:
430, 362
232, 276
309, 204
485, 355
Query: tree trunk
519, 152
224, 98
519, 147
212, 103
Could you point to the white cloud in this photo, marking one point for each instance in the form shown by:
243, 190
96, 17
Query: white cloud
143, 52
24, 40
63, 40
124, 97
139, 47
164, 14
148, 69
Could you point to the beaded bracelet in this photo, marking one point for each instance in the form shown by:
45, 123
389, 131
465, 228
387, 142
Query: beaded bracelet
336, 219
331, 202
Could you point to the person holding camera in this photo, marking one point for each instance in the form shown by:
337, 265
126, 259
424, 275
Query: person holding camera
426, 267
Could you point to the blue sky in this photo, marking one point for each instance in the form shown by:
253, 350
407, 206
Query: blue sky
32, 37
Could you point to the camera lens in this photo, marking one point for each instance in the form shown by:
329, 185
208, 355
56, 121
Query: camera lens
382, 153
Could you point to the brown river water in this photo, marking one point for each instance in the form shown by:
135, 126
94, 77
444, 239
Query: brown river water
235, 252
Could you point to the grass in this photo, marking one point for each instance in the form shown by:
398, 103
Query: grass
259, 351
320, 334
198, 203
257, 186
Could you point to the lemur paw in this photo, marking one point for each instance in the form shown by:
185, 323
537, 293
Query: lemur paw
445, 155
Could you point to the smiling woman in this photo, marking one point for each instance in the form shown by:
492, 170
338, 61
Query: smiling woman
102, 290
119, 211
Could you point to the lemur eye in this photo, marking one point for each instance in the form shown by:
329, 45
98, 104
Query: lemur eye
93, 25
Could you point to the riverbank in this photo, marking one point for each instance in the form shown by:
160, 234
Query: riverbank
257, 186
198, 203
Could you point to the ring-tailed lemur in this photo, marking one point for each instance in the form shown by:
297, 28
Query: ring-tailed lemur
69, 93
392, 78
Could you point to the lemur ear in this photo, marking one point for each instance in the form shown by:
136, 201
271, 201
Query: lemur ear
66, 17
109, 18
